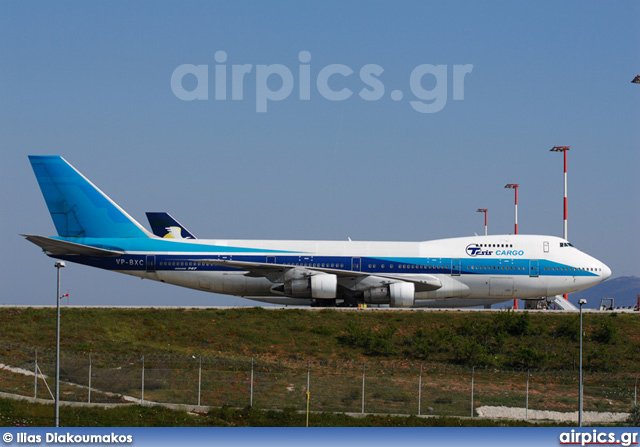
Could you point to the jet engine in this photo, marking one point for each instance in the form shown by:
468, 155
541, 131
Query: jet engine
402, 294
321, 285
397, 294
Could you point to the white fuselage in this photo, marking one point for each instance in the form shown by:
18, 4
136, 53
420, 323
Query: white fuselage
472, 270
93, 230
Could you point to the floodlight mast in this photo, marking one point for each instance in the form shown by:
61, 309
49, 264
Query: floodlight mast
58, 265
582, 302
515, 187
483, 210
565, 233
564, 149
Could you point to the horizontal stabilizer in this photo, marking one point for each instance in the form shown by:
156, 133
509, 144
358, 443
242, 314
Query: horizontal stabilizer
57, 247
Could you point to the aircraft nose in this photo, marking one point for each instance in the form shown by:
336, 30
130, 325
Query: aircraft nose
606, 272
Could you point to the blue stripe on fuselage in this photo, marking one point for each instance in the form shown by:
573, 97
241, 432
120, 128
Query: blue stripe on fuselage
174, 255
162, 245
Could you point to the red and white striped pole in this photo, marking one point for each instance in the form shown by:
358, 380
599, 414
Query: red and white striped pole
516, 219
565, 232
564, 149
483, 210
515, 186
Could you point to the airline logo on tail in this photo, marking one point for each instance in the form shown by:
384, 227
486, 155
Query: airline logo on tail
165, 226
173, 233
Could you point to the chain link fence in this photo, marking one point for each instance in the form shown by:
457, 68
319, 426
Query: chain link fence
334, 386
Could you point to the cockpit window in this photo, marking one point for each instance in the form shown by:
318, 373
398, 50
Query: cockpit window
566, 244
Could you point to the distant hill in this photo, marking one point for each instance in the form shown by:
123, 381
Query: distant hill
624, 290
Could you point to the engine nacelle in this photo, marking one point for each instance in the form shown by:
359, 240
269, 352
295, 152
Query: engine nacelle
397, 294
322, 286
377, 295
300, 288
402, 294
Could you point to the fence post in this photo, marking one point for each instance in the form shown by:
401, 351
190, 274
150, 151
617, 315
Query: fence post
364, 368
251, 393
142, 400
89, 377
35, 383
526, 411
420, 390
635, 392
199, 379
308, 374
473, 372
308, 400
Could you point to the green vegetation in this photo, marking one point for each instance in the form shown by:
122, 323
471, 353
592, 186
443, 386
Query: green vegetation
634, 416
212, 355
26, 414
496, 339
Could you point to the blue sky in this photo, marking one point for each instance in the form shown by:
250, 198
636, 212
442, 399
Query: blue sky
92, 82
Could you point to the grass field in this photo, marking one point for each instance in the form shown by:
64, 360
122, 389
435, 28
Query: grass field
496, 339
500, 351
26, 414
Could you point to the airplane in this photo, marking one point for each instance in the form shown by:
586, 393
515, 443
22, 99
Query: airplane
164, 225
457, 272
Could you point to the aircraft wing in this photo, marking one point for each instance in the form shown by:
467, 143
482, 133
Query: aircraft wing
423, 283
57, 247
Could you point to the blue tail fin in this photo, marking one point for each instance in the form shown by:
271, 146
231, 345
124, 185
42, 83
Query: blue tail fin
165, 226
78, 208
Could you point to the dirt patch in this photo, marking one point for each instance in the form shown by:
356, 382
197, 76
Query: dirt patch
521, 414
